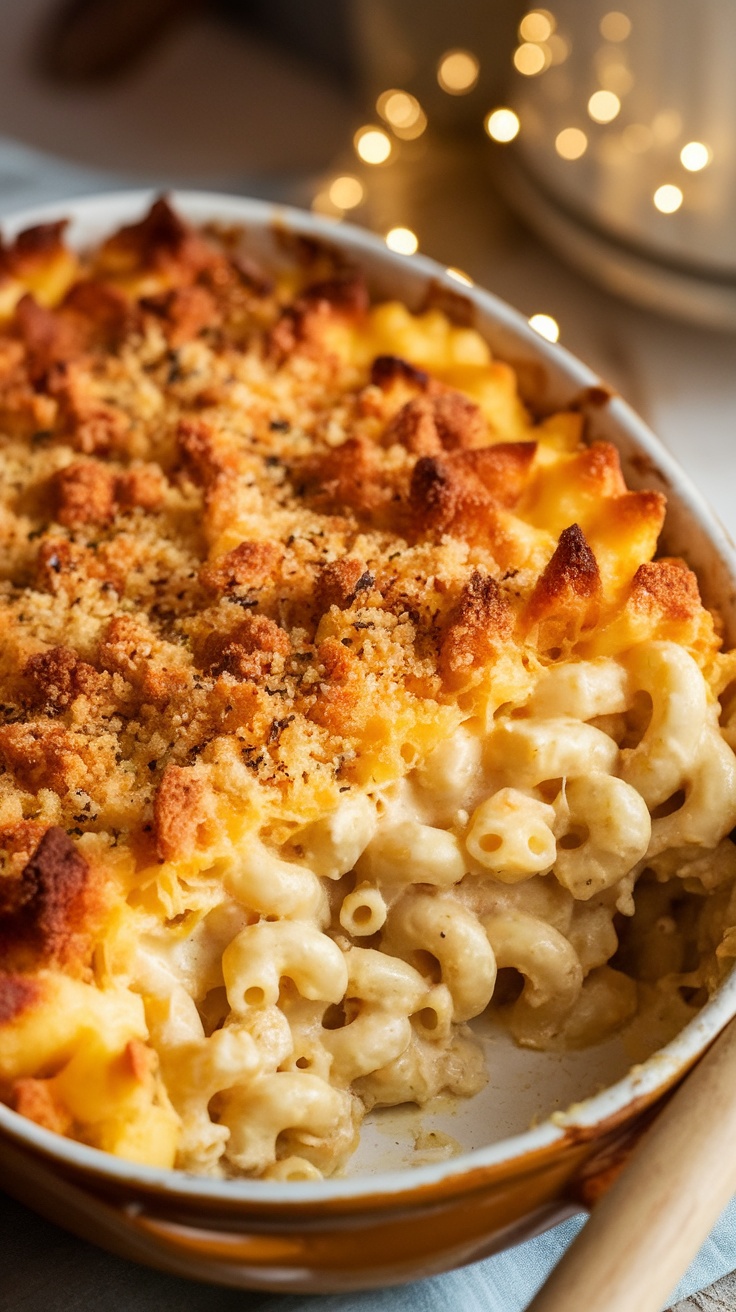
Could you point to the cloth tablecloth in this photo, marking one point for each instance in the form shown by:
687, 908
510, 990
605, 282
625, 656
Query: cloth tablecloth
42, 1269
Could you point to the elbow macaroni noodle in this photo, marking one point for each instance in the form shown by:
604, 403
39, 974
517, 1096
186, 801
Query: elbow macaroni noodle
520, 883
514, 833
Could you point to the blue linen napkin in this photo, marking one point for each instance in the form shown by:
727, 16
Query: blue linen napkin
29, 178
504, 1283
508, 1281
41, 1267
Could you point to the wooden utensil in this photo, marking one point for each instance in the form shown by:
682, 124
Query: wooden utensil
645, 1232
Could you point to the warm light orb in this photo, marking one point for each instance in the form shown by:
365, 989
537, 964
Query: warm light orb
403, 113
666, 126
412, 130
502, 124
346, 192
571, 143
603, 106
546, 326
559, 48
615, 26
323, 205
402, 240
530, 59
668, 198
457, 72
637, 138
537, 25
457, 275
695, 156
399, 108
372, 144
620, 80
613, 72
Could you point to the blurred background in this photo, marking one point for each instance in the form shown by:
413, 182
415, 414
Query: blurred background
577, 160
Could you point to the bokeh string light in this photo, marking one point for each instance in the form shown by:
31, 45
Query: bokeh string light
346, 192
571, 143
695, 155
397, 107
531, 59
615, 26
613, 70
668, 198
322, 205
502, 124
604, 106
546, 326
373, 145
540, 47
403, 113
402, 240
559, 48
537, 25
458, 71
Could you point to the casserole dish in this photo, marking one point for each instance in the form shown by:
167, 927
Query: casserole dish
402, 1212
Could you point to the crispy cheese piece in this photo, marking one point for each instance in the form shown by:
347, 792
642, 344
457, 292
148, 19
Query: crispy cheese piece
479, 627
37, 261
179, 811
566, 598
51, 909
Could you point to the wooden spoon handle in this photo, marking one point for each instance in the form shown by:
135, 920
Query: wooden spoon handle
645, 1232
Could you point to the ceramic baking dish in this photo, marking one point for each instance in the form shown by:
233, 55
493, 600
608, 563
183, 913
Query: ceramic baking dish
400, 1213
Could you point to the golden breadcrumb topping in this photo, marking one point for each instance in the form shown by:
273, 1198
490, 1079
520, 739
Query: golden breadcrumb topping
234, 528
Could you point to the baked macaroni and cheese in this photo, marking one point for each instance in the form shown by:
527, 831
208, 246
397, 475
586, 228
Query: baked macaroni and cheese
343, 699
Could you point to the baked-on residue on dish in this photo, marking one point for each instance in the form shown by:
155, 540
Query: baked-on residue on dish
333, 683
